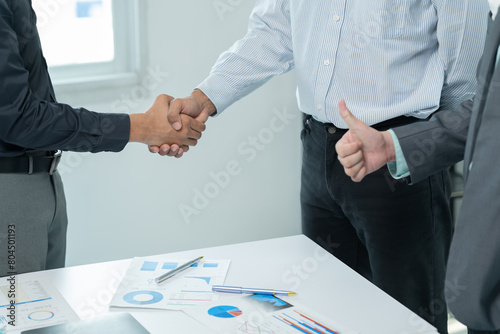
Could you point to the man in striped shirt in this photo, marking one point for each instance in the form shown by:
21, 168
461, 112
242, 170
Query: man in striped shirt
394, 62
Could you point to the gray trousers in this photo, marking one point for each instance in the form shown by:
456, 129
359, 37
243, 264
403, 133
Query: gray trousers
33, 219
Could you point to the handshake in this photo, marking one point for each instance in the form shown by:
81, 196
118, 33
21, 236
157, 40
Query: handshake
171, 125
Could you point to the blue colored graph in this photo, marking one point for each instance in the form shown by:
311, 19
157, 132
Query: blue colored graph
170, 265
206, 279
86, 8
143, 297
149, 266
41, 315
225, 311
269, 299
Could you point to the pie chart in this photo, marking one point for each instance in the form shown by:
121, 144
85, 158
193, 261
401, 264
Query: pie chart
225, 311
143, 297
41, 315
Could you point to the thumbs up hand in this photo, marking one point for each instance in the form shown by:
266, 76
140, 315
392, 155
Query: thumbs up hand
362, 150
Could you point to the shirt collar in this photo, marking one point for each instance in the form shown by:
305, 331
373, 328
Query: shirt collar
494, 4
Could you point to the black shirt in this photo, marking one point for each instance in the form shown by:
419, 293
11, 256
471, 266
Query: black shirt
30, 117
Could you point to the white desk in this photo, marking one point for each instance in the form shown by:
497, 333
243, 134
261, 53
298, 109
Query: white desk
323, 283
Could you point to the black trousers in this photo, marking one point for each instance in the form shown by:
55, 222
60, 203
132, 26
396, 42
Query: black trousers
395, 235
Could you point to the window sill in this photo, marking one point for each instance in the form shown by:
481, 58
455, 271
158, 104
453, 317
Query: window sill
88, 90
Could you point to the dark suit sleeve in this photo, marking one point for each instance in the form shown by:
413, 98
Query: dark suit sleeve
474, 263
433, 145
29, 122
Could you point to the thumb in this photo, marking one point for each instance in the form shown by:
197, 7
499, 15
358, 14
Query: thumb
352, 122
174, 114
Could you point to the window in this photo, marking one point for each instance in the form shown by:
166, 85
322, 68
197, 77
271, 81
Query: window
89, 41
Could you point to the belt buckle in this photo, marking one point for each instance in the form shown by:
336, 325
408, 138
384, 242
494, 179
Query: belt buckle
55, 161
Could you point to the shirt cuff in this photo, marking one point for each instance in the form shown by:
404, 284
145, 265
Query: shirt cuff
115, 132
399, 168
219, 92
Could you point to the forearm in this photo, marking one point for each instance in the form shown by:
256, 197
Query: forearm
433, 145
265, 51
53, 126
138, 128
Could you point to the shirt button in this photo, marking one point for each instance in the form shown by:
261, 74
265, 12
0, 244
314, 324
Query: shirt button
319, 106
332, 130
327, 62
336, 18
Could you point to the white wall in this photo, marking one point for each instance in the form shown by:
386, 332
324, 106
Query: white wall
128, 204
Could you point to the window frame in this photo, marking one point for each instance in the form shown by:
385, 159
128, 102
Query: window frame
94, 81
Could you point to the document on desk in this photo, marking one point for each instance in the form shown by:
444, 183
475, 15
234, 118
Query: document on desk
29, 304
263, 314
191, 287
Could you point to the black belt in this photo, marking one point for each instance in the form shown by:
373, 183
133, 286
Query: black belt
31, 163
382, 126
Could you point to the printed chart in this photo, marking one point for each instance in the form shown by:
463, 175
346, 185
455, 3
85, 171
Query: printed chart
188, 288
259, 314
225, 311
36, 304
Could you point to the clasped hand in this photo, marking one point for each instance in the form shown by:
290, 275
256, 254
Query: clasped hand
154, 129
182, 115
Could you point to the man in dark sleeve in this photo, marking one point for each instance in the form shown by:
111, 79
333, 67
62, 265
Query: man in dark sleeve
33, 127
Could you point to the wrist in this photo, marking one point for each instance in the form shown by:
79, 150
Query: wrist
390, 151
137, 128
207, 106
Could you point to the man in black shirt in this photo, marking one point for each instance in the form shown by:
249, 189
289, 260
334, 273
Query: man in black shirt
33, 127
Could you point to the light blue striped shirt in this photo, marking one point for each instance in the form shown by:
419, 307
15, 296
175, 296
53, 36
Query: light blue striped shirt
498, 56
399, 167
386, 58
